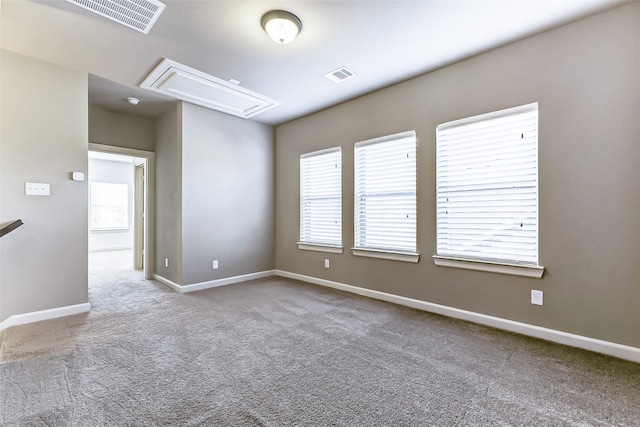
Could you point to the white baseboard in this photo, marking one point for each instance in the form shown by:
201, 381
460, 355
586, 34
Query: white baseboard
579, 341
573, 340
38, 316
213, 283
167, 282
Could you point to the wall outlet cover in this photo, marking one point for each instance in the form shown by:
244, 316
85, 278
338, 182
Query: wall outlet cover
536, 297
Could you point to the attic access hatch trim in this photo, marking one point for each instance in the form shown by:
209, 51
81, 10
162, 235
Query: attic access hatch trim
137, 14
187, 84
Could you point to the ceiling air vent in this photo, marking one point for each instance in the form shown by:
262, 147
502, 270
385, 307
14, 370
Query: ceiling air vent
137, 14
340, 75
184, 83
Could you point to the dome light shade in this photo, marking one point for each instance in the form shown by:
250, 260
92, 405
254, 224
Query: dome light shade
281, 26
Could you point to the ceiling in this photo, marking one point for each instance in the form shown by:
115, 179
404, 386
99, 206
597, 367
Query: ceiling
383, 42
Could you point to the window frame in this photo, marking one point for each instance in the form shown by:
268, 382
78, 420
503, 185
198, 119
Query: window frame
389, 253
311, 245
117, 190
503, 266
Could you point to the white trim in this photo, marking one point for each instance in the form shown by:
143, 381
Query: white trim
394, 256
114, 149
38, 316
411, 134
321, 152
320, 248
488, 116
205, 90
183, 289
112, 249
513, 269
169, 283
565, 338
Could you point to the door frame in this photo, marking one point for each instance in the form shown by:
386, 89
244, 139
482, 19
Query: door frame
149, 199
139, 211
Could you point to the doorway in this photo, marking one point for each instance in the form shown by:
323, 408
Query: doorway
120, 181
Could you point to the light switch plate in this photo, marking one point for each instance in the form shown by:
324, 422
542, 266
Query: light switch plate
37, 189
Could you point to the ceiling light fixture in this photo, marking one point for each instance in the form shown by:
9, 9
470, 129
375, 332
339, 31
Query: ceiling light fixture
133, 101
281, 26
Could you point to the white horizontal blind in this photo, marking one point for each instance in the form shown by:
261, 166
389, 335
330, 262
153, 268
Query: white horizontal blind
385, 193
487, 187
321, 197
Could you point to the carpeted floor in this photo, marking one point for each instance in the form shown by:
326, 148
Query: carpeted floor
277, 352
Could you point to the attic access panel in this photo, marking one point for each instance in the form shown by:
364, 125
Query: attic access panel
187, 84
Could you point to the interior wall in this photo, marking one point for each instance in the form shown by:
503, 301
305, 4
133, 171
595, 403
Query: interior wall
112, 172
43, 264
585, 77
121, 130
227, 195
168, 229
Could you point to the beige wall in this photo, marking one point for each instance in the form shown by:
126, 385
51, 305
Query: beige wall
227, 195
121, 130
585, 78
215, 184
169, 194
43, 264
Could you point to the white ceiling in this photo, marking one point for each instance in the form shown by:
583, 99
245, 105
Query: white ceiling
384, 42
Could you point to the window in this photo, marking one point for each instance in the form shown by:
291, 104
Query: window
109, 206
385, 197
321, 200
487, 189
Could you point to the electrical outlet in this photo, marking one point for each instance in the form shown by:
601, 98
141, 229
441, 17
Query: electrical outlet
166, 262
326, 263
215, 264
536, 297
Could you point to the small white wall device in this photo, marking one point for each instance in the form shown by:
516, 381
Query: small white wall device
37, 189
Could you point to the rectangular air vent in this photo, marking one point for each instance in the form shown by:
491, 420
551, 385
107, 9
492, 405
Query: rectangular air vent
137, 14
340, 75
187, 84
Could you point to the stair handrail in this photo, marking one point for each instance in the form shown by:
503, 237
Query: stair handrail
10, 227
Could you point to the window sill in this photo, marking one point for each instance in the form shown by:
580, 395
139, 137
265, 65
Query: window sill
320, 248
108, 230
394, 256
532, 271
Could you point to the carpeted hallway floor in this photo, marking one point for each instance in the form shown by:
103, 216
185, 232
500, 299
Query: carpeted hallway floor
277, 352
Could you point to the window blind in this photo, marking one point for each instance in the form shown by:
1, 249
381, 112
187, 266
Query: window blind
321, 197
487, 187
385, 193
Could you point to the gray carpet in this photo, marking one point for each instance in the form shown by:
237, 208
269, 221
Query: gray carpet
277, 352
